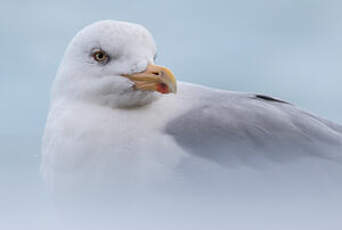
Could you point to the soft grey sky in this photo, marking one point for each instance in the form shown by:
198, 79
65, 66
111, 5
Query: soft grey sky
286, 48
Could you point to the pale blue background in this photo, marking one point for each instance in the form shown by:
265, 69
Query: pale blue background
290, 49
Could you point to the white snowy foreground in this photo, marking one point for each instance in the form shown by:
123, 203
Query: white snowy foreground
128, 147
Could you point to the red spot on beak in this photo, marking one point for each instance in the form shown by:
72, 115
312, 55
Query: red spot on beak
162, 88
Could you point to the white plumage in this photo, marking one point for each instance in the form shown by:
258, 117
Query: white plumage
103, 129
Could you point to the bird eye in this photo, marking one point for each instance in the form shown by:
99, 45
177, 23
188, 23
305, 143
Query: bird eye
100, 56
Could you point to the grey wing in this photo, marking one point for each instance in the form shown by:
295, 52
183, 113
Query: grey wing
244, 128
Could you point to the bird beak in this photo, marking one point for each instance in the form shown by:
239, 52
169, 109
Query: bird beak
154, 78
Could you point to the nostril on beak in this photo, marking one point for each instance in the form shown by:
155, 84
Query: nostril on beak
157, 73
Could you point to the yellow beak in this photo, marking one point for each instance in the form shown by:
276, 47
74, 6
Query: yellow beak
154, 78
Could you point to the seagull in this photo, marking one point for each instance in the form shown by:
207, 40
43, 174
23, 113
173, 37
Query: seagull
118, 118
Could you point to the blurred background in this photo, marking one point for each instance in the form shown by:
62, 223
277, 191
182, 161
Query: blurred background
289, 49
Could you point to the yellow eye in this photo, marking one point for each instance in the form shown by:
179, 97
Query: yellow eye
100, 56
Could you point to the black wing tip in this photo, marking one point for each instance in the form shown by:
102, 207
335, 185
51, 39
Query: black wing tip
270, 99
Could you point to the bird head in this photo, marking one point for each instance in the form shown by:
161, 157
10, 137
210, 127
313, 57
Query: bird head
112, 63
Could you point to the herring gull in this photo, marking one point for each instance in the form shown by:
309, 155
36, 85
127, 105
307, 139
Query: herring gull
117, 116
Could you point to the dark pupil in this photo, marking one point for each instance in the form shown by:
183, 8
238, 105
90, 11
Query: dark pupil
100, 55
